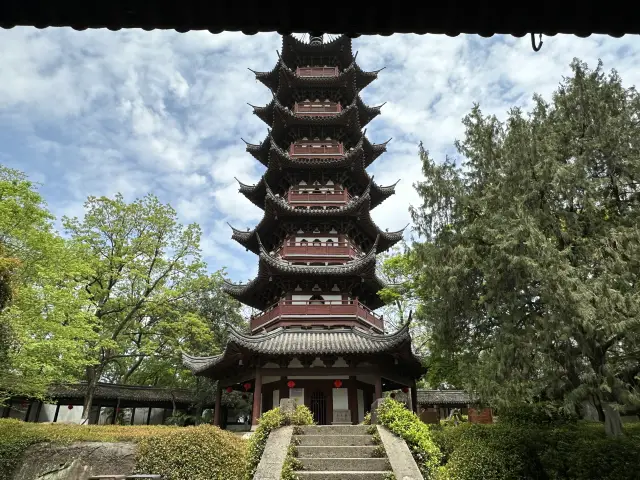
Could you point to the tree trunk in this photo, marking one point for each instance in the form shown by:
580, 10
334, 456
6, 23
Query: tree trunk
92, 382
613, 423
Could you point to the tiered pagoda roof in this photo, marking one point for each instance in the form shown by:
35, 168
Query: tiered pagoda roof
260, 291
269, 151
354, 215
286, 342
326, 73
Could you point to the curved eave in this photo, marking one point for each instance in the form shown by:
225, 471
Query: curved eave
373, 150
198, 365
261, 151
379, 194
254, 193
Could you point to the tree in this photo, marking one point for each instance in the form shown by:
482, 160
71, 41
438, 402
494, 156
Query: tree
44, 319
528, 272
401, 301
145, 267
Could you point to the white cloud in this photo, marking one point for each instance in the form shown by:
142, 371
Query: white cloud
97, 112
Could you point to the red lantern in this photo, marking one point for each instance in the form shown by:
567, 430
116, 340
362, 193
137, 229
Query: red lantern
405, 390
70, 407
291, 384
229, 389
337, 383
247, 387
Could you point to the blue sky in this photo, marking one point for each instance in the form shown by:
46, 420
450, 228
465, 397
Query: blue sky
99, 112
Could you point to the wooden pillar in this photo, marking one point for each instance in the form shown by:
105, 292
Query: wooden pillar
133, 415
6, 410
353, 399
38, 410
378, 389
216, 411
414, 397
55, 415
26, 415
149, 415
257, 394
284, 388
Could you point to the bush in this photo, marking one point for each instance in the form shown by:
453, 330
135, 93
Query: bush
270, 421
16, 436
406, 424
193, 453
536, 414
506, 451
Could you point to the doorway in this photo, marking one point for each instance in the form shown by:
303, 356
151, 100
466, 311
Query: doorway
319, 407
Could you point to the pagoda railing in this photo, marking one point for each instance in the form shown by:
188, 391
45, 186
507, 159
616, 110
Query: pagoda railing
306, 312
317, 71
317, 108
316, 149
326, 197
318, 249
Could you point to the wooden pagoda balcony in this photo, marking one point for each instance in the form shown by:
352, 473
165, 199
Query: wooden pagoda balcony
317, 71
316, 108
318, 251
331, 197
316, 149
311, 313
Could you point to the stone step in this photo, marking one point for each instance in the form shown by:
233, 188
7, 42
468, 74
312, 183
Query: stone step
342, 475
333, 440
334, 429
345, 464
359, 451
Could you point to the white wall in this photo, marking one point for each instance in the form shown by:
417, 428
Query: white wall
297, 394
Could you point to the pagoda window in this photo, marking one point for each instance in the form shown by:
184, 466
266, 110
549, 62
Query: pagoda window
317, 242
304, 242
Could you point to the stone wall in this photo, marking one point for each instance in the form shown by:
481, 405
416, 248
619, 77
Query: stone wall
78, 461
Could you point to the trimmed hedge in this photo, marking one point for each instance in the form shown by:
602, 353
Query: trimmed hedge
267, 422
406, 424
509, 451
204, 452
179, 453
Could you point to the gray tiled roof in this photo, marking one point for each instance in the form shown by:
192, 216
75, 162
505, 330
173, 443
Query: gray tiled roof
443, 397
294, 341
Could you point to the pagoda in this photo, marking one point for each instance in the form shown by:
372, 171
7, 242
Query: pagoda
317, 338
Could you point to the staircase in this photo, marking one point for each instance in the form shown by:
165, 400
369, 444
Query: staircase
340, 452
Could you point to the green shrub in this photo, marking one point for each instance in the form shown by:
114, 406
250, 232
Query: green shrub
406, 424
507, 451
536, 414
270, 421
193, 453
16, 436
367, 419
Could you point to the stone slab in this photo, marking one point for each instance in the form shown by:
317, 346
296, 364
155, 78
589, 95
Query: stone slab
402, 463
275, 452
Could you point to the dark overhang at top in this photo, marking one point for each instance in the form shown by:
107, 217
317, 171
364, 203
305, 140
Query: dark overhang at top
251, 16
